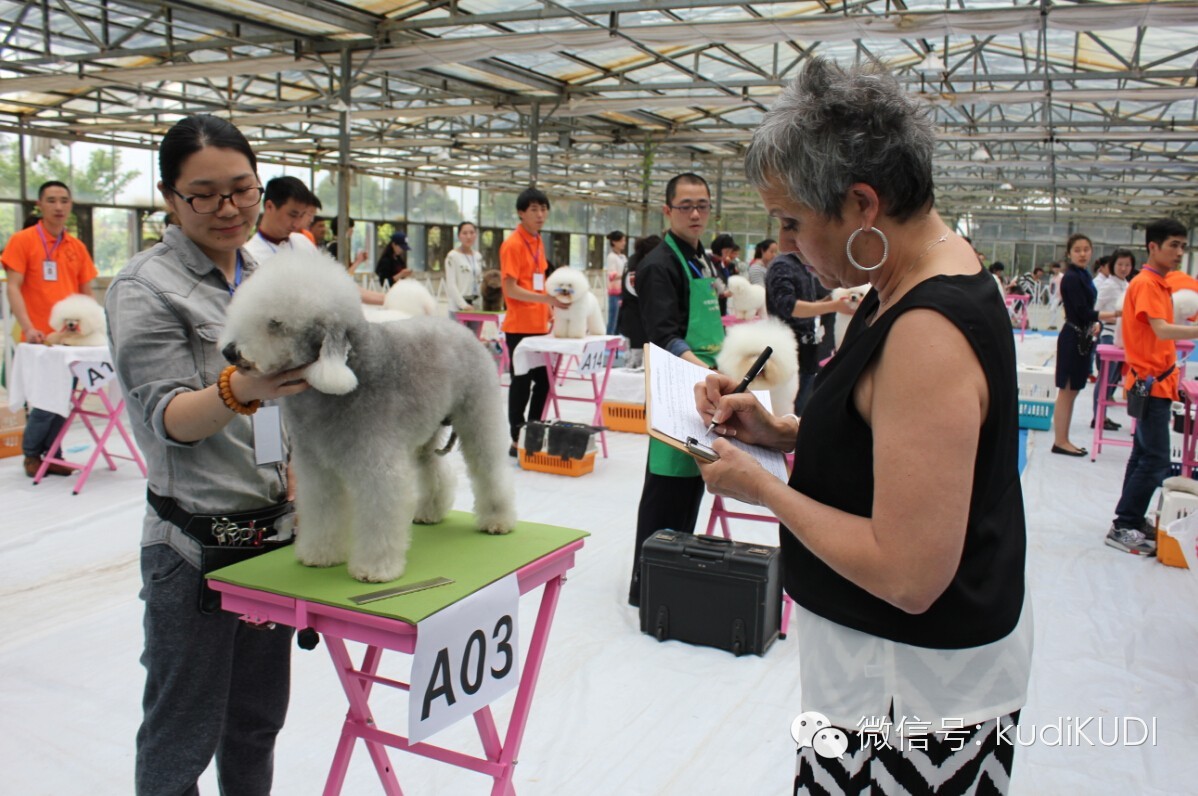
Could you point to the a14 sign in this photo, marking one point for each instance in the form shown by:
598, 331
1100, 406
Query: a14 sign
593, 359
467, 655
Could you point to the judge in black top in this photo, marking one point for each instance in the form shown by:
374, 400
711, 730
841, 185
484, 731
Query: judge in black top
902, 531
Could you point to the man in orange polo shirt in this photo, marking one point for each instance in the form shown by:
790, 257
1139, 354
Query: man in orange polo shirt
522, 266
45, 264
1148, 338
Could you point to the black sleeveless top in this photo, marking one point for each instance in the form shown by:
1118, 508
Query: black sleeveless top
834, 465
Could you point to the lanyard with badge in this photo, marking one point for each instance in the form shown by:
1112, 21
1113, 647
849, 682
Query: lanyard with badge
50, 265
268, 420
538, 277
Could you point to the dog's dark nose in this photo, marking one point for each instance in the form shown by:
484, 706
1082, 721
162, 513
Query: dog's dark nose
232, 354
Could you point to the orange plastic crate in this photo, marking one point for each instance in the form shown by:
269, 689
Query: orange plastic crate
624, 417
10, 441
544, 463
1168, 550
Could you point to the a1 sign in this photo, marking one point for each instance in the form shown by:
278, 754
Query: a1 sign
467, 655
594, 358
92, 375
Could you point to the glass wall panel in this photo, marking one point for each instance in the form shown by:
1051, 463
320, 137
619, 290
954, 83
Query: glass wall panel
10, 169
393, 205
325, 188
498, 210
11, 217
417, 240
578, 251
366, 197
112, 241
489, 241
432, 203
567, 215
440, 239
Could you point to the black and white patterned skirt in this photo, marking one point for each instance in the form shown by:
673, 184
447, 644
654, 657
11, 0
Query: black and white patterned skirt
973, 761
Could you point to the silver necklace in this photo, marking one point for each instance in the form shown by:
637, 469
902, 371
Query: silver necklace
910, 268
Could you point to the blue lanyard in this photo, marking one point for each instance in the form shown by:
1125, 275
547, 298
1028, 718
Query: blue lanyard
674, 246
237, 275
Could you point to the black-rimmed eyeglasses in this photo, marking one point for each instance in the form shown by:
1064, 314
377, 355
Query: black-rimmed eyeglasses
208, 203
703, 208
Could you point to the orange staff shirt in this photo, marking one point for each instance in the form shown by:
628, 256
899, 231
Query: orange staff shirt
25, 253
522, 257
1148, 296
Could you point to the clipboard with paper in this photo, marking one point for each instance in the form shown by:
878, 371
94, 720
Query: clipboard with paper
670, 408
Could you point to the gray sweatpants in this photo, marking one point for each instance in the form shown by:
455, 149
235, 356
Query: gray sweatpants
214, 685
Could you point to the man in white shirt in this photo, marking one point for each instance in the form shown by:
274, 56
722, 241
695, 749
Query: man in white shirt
286, 209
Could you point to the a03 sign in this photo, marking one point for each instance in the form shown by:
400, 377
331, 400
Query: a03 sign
467, 655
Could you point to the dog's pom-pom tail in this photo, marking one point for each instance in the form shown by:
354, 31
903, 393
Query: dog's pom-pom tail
330, 373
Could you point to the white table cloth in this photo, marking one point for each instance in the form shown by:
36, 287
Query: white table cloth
41, 375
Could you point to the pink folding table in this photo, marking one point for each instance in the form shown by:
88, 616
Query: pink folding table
560, 355
721, 514
1109, 357
339, 625
482, 318
61, 379
1017, 309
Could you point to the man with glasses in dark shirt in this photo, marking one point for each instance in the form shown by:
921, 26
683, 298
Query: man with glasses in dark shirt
676, 286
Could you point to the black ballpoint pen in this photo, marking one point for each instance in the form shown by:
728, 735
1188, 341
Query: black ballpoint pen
753, 373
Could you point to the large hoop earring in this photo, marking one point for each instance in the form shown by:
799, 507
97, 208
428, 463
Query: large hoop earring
848, 248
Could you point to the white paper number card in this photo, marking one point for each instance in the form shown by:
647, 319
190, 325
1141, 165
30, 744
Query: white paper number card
467, 656
594, 358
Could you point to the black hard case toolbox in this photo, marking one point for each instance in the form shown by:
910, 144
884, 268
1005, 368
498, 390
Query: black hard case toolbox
711, 591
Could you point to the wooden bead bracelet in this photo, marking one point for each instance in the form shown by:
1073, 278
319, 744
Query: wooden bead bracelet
226, 394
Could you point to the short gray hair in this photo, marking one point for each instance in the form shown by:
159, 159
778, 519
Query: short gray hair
833, 127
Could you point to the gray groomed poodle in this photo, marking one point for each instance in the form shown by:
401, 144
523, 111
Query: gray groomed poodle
365, 437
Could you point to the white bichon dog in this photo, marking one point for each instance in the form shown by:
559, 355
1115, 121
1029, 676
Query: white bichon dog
1185, 306
77, 320
411, 298
583, 317
748, 300
853, 294
745, 342
366, 435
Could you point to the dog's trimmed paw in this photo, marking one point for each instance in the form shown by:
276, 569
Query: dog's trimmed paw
375, 573
429, 518
321, 559
496, 527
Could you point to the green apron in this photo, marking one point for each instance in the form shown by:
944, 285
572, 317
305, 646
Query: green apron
705, 335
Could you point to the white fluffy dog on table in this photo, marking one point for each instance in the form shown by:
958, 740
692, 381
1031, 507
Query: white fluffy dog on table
365, 437
748, 300
583, 317
77, 320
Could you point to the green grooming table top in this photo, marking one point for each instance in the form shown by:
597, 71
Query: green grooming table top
453, 549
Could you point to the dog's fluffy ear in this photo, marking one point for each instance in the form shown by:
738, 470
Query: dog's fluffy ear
330, 373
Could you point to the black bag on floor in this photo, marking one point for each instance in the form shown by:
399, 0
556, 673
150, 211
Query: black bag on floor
710, 591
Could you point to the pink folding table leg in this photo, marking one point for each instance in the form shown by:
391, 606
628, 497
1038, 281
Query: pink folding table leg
356, 684
54, 455
1100, 407
112, 417
528, 686
552, 362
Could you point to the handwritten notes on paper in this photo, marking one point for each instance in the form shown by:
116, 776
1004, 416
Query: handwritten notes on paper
670, 392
